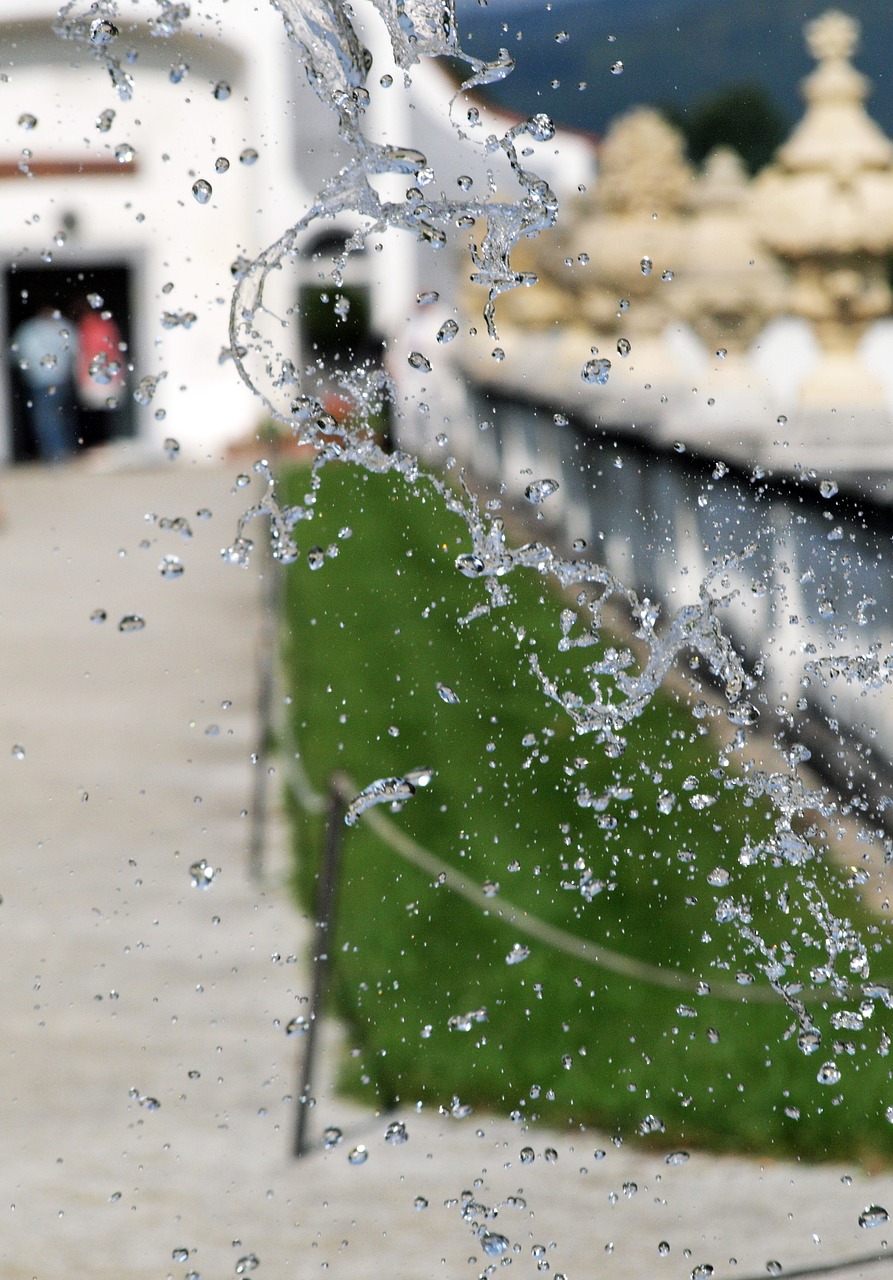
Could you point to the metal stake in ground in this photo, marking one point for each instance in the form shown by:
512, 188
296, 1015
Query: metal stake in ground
266, 686
325, 929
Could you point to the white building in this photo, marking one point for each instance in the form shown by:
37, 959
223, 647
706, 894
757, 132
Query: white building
97, 197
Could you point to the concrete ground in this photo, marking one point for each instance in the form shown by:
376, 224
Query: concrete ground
122, 983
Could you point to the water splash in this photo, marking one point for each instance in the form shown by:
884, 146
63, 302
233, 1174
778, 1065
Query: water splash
392, 791
612, 692
94, 24
337, 66
616, 690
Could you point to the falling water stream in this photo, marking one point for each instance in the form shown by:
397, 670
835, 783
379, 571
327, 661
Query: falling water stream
832, 982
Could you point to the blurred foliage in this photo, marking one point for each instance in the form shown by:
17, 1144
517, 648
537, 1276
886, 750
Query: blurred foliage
742, 116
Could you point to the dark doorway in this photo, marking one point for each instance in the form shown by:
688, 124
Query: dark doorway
26, 290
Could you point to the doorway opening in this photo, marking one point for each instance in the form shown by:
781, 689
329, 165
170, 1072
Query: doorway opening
70, 289
337, 333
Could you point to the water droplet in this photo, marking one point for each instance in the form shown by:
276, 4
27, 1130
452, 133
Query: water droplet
677, 1157
471, 565
98, 615
248, 156
702, 1271
242, 481
617, 68
358, 1155
774, 1268
809, 1041
447, 331
331, 1137
667, 276
297, 1026
624, 346
171, 567
27, 121
518, 953
202, 190
181, 1254
125, 153
647, 266
222, 91
465, 1021
420, 1203
171, 447
250, 1262
18, 751
201, 874
221, 164
663, 1248
426, 298
493, 1245
316, 558
131, 622
396, 1133
596, 371
146, 387
781, 420
102, 31
540, 490
829, 1073
417, 361
828, 488
652, 1124
873, 1215
448, 694
527, 1155
178, 72
721, 353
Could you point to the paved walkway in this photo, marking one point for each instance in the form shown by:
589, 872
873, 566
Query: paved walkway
122, 983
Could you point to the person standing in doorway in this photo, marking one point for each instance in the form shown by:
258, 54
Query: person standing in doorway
100, 373
43, 350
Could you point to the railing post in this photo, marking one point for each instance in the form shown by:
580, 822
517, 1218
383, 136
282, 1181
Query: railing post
323, 938
266, 686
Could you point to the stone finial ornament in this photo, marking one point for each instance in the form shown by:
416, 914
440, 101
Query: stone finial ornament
825, 207
834, 35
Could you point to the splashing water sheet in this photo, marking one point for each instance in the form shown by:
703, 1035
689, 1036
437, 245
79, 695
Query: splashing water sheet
828, 977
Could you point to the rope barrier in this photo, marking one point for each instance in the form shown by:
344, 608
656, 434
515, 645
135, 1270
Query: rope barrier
508, 913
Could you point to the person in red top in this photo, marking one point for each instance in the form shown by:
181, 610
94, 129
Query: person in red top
100, 370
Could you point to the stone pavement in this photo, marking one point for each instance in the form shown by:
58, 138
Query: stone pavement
122, 983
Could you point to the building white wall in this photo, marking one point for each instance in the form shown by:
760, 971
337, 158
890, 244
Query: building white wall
145, 213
